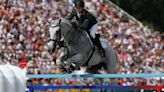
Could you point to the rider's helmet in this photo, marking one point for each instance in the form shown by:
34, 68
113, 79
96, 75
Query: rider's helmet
79, 6
79, 3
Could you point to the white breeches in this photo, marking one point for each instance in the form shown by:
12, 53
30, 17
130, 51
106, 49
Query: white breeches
93, 30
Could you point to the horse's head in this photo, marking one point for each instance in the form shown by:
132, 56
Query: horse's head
58, 28
54, 33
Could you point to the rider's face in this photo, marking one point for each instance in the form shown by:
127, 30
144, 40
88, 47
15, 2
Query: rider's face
79, 9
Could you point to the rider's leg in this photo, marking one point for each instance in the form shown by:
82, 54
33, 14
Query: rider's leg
93, 31
98, 44
95, 39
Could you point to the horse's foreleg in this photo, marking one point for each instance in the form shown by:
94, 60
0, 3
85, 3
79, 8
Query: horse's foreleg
76, 59
71, 64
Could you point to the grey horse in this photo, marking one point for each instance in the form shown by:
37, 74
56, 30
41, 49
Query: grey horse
80, 50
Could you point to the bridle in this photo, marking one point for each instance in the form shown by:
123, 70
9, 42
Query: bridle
65, 35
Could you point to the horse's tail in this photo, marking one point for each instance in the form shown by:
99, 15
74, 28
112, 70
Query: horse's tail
117, 56
117, 59
111, 58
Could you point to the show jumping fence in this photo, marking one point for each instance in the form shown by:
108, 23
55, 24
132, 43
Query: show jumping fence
157, 88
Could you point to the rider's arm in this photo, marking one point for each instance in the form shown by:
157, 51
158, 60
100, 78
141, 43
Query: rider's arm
72, 15
84, 25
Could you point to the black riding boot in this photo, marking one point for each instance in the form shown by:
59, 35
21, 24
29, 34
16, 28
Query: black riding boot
98, 44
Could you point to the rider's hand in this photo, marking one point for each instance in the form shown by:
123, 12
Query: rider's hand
74, 24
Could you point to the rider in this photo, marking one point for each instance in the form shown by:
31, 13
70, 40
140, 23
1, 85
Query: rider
87, 21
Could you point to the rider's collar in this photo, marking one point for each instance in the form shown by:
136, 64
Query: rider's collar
83, 12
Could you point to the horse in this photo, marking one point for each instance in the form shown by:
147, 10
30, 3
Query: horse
12, 78
79, 48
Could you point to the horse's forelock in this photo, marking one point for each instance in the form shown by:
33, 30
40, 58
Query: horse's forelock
54, 23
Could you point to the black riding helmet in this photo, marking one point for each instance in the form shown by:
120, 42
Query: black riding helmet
79, 3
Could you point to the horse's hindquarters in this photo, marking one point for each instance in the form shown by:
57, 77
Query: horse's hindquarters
111, 58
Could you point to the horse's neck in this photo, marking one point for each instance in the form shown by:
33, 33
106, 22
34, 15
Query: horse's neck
78, 32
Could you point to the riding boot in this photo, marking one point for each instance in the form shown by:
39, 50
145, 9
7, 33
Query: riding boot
98, 44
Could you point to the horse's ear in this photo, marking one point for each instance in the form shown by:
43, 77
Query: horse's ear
59, 21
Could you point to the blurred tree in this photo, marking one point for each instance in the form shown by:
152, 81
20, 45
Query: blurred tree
116, 1
149, 11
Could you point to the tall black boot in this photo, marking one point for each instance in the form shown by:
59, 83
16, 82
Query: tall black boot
98, 44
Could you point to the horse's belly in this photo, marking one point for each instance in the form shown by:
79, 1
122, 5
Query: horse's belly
95, 59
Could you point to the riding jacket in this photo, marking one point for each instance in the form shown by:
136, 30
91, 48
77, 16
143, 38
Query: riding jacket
85, 21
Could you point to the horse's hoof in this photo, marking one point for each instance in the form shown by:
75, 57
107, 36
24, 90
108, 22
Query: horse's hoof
74, 67
66, 70
77, 67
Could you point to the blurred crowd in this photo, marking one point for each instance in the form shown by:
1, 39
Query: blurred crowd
24, 36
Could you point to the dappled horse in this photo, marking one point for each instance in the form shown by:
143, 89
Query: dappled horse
80, 50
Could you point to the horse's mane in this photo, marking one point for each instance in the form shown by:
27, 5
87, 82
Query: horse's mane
80, 31
64, 19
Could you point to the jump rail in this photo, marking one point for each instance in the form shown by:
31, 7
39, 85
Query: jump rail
157, 88
96, 76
